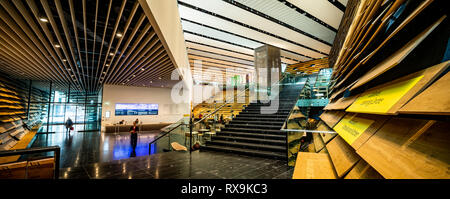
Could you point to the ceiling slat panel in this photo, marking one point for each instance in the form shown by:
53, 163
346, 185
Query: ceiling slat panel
219, 51
237, 14
322, 9
48, 47
192, 27
280, 11
211, 42
200, 17
220, 57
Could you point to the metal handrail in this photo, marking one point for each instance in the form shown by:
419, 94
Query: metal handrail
307, 131
227, 102
290, 112
165, 133
286, 120
55, 149
223, 105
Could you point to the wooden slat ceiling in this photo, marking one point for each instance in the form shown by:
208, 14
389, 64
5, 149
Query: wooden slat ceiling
84, 43
224, 33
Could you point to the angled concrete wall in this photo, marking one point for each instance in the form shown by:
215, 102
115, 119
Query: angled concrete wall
165, 19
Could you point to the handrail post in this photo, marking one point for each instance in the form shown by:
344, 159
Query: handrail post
57, 159
190, 135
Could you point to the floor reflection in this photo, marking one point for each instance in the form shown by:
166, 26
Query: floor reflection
80, 148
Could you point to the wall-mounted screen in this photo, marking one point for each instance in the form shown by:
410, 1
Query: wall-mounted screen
136, 109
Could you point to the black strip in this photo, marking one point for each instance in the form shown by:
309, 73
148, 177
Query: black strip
253, 11
301, 11
221, 54
218, 47
251, 27
338, 5
210, 68
220, 59
200, 35
222, 64
207, 65
291, 58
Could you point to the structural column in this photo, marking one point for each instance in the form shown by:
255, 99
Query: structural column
267, 61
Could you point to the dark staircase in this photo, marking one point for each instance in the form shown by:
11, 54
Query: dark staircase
256, 134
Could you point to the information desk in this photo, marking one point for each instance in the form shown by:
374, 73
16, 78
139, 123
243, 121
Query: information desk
126, 127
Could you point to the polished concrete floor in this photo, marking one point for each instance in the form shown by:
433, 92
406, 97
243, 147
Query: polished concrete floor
95, 155
81, 148
182, 165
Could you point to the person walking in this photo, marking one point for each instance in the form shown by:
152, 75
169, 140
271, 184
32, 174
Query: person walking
133, 137
69, 125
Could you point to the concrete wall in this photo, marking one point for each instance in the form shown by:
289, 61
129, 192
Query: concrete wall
168, 110
165, 19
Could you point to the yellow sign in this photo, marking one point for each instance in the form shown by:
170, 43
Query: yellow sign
381, 100
350, 128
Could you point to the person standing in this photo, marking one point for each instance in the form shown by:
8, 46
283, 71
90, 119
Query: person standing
69, 125
133, 137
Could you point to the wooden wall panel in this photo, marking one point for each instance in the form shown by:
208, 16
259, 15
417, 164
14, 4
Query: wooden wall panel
388, 98
313, 166
434, 100
342, 155
347, 128
331, 118
362, 170
410, 148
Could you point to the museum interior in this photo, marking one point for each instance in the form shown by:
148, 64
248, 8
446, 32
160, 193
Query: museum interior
224, 89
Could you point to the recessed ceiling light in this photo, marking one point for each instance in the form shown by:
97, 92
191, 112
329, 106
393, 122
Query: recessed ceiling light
142, 69
104, 72
119, 35
159, 78
111, 54
57, 46
107, 65
134, 75
43, 19
64, 60
151, 82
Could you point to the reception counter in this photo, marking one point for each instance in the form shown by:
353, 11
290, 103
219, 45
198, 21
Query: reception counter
126, 127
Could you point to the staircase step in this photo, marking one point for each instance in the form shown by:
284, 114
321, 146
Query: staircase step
250, 152
253, 112
254, 130
251, 140
259, 119
252, 135
257, 122
261, 126
275, 108
246, 145
262, 115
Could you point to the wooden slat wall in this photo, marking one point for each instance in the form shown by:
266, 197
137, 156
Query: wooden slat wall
308, 67
14, 124
401, 145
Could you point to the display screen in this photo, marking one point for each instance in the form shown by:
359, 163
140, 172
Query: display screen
136, 109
